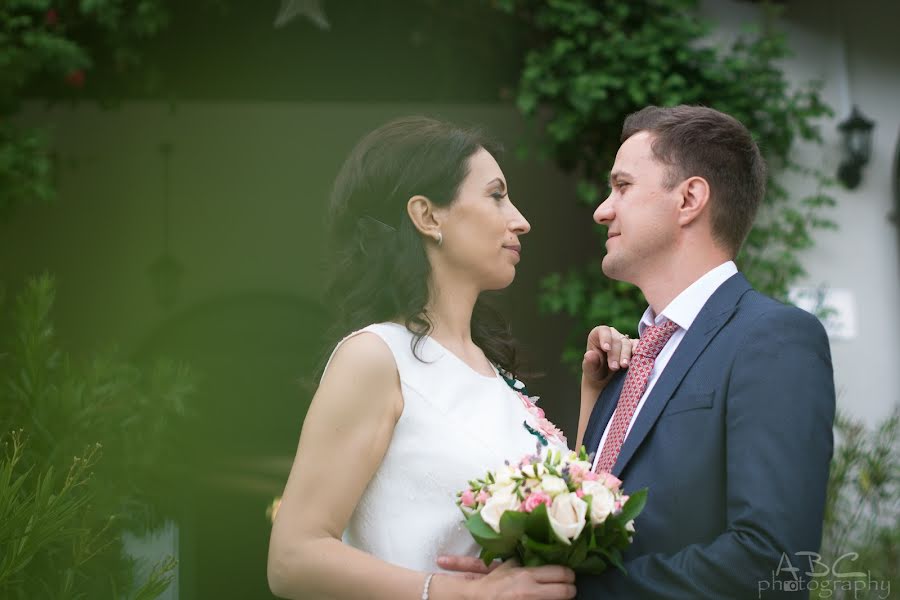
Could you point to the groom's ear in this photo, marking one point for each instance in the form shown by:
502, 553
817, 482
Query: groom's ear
425, 216
694, 192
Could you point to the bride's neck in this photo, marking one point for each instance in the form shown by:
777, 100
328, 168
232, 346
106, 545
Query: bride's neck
450, 310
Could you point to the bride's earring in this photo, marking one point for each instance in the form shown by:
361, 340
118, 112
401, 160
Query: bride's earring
440, 239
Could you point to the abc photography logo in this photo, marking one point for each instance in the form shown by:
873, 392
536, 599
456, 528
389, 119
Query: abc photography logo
823, 580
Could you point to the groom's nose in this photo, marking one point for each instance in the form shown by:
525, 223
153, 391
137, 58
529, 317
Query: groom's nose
604, 213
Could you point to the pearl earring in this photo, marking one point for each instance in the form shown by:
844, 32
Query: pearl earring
440, 239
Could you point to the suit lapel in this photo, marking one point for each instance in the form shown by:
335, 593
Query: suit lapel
603, 411
711, 318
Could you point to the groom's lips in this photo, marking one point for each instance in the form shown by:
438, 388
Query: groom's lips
611, 236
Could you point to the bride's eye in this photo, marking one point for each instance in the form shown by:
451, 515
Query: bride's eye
498, 196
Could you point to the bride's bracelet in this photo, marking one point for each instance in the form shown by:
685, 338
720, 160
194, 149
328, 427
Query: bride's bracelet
427, 585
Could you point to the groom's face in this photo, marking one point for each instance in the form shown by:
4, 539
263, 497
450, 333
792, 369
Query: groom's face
640, 213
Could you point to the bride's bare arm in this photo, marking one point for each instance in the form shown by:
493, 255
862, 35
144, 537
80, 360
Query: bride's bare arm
346, 433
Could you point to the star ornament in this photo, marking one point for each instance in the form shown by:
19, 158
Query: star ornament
311, 9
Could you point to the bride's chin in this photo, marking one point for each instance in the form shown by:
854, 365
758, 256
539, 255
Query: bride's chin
501, 283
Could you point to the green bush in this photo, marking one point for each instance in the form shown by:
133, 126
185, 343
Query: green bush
60, 51
862, 511
85, 447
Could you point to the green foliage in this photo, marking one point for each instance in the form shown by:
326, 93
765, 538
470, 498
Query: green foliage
51, 50
591, 63
862, 510
62, 517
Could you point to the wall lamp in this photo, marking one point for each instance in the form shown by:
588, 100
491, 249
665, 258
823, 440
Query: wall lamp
857, 141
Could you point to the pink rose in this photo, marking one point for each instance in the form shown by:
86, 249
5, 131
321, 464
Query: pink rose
591, 476
576, 474
467, 499
483, 497
579, 492
535, 499
611, 481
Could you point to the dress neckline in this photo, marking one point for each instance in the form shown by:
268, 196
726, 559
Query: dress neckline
455, 357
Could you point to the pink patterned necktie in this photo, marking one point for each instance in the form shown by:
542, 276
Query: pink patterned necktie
643, 355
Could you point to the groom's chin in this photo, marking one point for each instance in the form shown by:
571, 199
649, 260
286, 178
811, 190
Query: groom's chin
613, 268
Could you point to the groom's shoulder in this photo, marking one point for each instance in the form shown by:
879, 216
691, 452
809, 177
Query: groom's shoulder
766, 312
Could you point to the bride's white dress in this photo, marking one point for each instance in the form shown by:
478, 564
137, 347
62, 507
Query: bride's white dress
456, 424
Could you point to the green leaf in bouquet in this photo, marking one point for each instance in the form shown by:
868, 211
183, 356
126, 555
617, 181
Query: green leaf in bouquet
552, 554
488, 557
479, 529
634, 505
537, 526
592, 565
578, 552
614, 555
592, 542
530, 558
512, 524
500, 545
583, 454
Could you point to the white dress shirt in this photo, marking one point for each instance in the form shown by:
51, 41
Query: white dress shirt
682, 311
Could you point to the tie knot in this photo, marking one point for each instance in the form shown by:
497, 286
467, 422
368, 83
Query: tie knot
654, 338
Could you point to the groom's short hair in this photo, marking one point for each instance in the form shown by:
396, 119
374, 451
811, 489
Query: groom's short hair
700, 141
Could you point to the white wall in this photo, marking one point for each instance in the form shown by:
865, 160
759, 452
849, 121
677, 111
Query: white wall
862, 255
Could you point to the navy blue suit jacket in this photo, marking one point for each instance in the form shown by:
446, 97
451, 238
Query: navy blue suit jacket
734, 443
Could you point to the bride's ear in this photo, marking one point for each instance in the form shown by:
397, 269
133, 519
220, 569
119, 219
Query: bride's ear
425, 216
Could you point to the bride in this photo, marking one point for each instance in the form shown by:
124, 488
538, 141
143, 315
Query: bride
420, 397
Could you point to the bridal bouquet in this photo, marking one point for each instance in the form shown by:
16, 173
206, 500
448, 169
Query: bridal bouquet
553, 510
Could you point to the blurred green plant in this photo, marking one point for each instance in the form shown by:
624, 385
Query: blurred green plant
49, 50
591, 63
862, 510
62, 518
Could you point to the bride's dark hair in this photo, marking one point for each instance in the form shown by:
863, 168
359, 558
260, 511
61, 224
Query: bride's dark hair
380, 269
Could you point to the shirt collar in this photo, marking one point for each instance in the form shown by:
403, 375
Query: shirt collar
686, 306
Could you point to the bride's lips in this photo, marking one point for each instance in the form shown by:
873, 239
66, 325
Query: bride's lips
611, 236
516, 248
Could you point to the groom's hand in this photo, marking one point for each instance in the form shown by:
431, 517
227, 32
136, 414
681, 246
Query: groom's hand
607, 351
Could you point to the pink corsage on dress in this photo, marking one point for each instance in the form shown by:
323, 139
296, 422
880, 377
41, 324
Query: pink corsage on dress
545, 431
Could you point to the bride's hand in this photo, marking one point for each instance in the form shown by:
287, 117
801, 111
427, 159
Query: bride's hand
509, 581
607, 351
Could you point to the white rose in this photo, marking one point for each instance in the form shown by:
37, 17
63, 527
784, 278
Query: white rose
566, 516
496, 506
554, 485
504, 475
502, 489
629, 526
603, 501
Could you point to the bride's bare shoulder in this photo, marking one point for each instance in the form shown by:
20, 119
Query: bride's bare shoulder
364, 359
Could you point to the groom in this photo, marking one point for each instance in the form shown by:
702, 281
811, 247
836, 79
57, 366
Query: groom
731, 429
726, 410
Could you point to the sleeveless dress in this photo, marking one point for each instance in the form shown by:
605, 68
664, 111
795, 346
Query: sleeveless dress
456, 424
